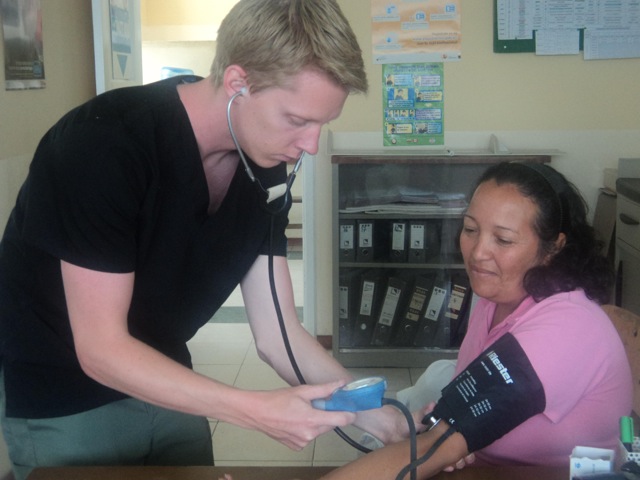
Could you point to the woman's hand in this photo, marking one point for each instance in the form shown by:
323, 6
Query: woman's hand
418, 415
460, 464
389, 425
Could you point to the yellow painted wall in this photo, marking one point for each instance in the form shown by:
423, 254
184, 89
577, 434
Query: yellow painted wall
484, 91
184, 12
27, 114
182, 20
522, 91
69, 72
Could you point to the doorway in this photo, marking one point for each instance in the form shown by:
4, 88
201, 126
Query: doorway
180, 35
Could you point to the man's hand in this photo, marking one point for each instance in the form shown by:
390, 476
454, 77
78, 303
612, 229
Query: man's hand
286, 414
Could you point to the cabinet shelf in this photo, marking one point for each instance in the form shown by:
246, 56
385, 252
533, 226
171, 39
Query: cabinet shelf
425, 158
399, 216
404, 265
393, 357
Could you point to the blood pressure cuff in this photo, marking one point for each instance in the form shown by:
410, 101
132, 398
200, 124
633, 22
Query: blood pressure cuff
497, 392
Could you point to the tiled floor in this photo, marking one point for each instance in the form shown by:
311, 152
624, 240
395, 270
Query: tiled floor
227, 353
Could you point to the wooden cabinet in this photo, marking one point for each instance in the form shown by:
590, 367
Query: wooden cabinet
628, 244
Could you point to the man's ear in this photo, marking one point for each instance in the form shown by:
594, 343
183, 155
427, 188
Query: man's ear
235, 80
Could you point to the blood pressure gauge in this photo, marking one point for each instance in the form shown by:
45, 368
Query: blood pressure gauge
363, 394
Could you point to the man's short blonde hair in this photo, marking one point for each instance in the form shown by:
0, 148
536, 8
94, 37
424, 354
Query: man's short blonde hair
272, 40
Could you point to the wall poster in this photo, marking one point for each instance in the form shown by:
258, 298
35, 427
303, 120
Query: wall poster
122, 38
117, 43
413, 104
23, 48
410, 31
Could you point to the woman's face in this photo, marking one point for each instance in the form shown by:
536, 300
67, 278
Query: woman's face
498, 243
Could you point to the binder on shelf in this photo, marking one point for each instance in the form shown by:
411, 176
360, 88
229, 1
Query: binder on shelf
389, 311
369, 294
442, 336
364, 251
348, 296
347, 240
413, 311
458, 334
432, 240
372, 241
399, 242
458, 295
423, 241
430, 321
458, 306
417, 239
449, 237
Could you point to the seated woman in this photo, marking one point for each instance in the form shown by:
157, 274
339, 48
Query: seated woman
534, 261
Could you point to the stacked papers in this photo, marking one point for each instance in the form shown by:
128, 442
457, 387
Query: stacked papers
402, 200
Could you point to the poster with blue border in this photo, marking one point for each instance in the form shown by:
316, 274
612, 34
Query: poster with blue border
413, 104
122, 38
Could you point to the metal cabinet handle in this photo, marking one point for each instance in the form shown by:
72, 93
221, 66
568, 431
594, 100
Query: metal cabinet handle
627, 220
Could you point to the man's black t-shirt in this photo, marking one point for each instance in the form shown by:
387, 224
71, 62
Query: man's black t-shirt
117, 185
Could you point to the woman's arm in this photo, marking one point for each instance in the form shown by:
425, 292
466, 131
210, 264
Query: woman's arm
386, 463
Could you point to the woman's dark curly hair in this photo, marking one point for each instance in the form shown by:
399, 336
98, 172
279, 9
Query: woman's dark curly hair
561, 209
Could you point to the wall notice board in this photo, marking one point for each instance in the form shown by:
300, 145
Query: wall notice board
600, 28
519, 45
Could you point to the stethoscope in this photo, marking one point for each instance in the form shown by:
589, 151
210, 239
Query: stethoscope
272, 193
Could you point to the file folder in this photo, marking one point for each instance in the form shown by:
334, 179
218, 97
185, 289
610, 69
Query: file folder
364, 252
347, 240
372, 240
348, 296
457, 299
413, 311
389, 311
450, 241
458, 306
367, 310
430, 321
417, 242
399, 242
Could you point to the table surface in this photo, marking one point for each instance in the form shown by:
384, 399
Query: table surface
273, 473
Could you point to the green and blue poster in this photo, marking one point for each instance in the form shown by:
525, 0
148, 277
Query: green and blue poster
413, 104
